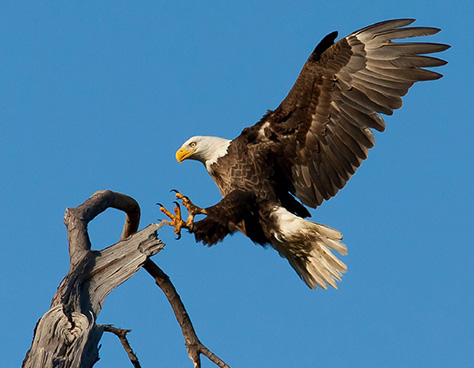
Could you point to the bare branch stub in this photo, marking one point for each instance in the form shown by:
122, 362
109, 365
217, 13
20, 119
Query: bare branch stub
122, 335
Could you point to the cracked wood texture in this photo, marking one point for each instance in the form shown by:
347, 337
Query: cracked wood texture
67, 334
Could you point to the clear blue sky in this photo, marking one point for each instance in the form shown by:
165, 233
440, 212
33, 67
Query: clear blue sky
99, 95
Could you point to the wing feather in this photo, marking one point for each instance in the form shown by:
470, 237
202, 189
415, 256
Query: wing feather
324, 124
407, 32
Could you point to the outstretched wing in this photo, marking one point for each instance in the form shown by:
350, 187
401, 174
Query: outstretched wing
323, 126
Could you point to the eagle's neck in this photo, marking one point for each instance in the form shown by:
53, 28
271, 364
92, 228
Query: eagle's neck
215, 147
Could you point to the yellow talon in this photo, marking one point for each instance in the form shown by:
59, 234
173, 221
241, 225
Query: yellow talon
176, 219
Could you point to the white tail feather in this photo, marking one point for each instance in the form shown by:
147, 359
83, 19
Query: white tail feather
306, 245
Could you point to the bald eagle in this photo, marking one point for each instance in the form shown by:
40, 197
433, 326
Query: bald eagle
303, 152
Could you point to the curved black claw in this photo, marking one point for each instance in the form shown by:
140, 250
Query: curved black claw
174, 190
178, 236
176, 203
159, 204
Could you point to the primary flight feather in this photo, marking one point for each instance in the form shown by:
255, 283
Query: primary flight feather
305, 150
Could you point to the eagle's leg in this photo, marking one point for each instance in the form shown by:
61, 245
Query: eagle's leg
175, 220
193, 210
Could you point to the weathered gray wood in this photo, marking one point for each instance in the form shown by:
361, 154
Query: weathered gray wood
77, 219
67, 335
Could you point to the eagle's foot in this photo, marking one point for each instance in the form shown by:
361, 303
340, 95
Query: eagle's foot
193, 210
175, 220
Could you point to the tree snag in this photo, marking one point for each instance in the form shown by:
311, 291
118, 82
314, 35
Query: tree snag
67, 335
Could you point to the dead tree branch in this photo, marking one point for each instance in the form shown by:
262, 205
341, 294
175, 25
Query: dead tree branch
122, 335
193, 345
67, 335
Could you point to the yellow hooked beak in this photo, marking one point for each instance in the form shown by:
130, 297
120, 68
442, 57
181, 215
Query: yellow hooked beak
182, 154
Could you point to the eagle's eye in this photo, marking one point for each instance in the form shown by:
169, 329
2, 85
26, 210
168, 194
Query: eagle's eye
192, 144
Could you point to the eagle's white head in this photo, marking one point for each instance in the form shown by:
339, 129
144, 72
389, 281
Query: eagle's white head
204, 149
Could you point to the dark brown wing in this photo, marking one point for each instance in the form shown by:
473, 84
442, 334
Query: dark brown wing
324, 122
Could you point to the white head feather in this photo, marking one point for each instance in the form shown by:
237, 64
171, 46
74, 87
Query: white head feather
203, 148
